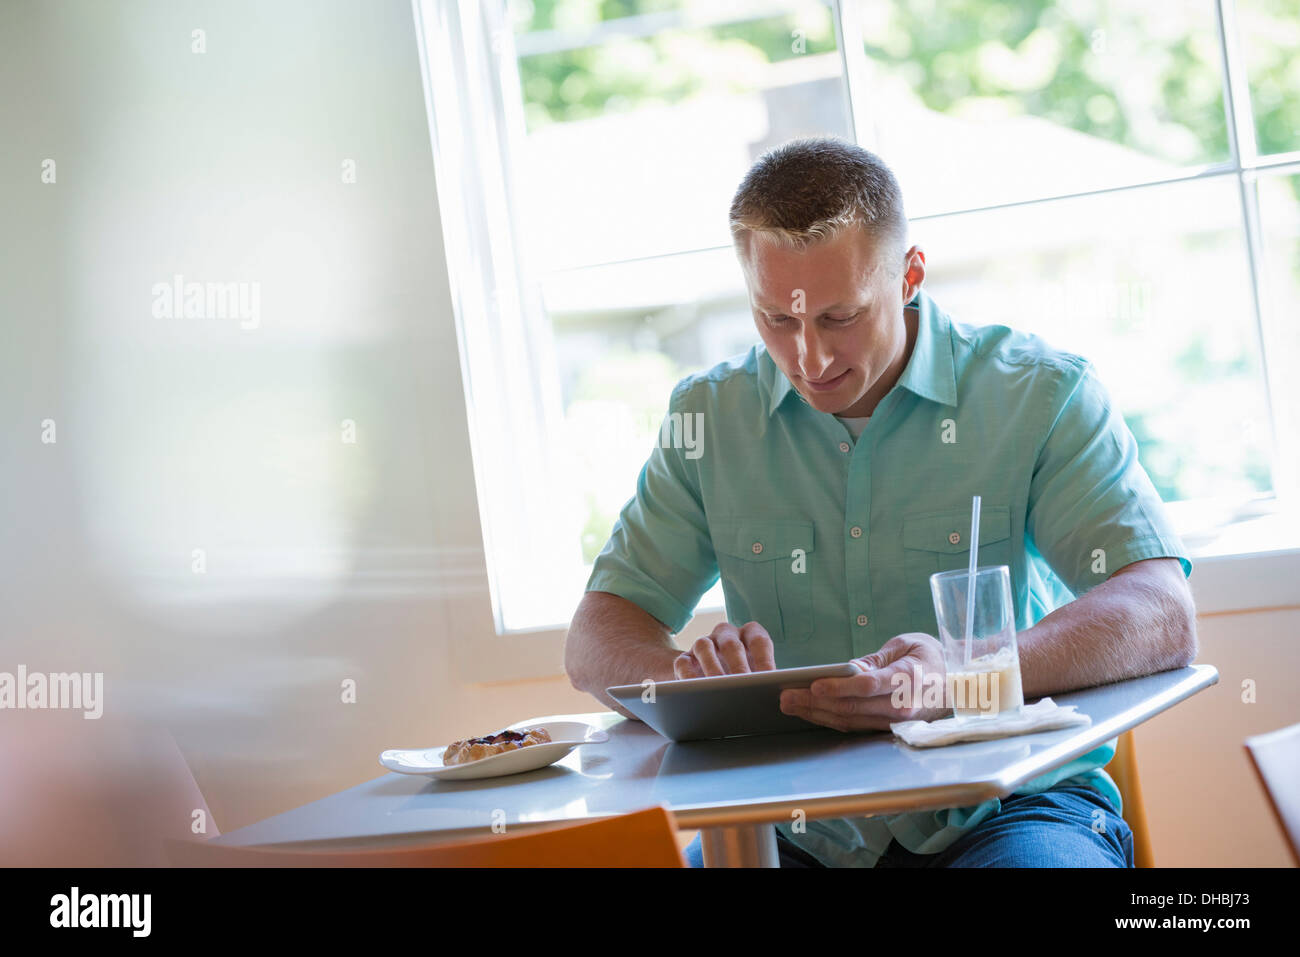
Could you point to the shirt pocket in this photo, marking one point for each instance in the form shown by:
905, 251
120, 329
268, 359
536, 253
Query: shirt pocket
939, 541
766, 566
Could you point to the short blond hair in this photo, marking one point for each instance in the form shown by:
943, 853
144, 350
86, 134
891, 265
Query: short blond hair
808, 190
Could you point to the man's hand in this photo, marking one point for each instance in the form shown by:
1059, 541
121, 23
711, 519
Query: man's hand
728, 650
864, 702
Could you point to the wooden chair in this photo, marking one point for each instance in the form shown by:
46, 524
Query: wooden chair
1276, 759
1124, 771
640, 839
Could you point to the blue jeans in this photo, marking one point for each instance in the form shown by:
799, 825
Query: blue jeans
1051, 829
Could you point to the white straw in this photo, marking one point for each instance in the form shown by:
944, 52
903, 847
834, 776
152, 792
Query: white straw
970, 580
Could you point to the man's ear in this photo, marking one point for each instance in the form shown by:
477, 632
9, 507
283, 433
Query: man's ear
913, 272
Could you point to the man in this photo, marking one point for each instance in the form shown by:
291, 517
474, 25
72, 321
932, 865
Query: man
834, 475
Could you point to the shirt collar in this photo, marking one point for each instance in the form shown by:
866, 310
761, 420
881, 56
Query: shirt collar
930, 371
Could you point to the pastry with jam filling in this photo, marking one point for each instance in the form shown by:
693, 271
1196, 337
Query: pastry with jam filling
474, 749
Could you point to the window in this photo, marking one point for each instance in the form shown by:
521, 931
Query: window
978, 103
1121, 164
1270, 35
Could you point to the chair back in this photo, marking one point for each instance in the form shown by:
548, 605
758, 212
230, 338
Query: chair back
1276, 759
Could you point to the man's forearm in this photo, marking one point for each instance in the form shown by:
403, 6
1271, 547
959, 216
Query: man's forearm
612, 641
1137, 622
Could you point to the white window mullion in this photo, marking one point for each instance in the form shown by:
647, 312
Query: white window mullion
1236, 90
848, 33
1244, 149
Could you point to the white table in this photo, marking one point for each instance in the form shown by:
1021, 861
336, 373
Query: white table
733, 790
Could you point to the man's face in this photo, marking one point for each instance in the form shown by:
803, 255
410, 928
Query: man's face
831, 316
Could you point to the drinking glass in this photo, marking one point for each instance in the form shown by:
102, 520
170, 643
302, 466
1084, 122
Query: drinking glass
984, 681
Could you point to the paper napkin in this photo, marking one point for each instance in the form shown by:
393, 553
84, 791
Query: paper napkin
1044, 715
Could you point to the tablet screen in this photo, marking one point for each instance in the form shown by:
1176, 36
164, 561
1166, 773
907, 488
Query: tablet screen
723, 706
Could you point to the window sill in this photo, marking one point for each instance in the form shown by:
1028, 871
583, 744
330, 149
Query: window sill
1229, 584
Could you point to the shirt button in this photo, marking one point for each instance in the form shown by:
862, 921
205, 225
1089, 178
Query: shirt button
855, 531
757, 548
954, 537
862, 620
844, 446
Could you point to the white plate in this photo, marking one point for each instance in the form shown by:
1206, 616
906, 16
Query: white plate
565, 736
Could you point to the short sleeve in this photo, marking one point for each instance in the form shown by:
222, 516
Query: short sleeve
660, 554
1092, 508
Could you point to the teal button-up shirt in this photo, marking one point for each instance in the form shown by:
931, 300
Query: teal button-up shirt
830, 543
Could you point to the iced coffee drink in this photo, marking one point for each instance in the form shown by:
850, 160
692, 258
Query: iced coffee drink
986, 686
982, 659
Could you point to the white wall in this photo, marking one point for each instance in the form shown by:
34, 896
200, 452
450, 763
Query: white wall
325, 561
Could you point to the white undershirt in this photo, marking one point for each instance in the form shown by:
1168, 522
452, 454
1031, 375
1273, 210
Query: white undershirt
855, 425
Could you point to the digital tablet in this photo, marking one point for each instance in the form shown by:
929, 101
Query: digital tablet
724, 706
